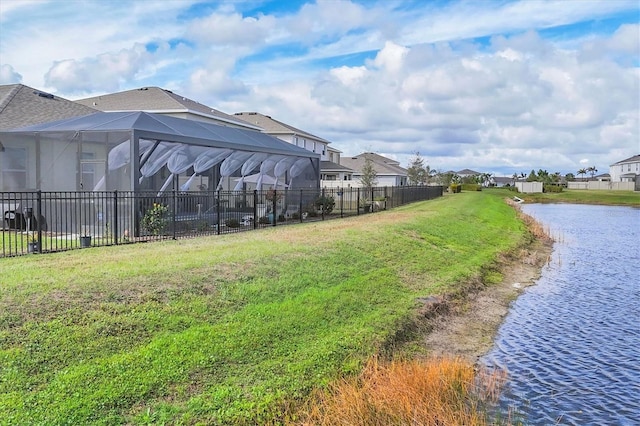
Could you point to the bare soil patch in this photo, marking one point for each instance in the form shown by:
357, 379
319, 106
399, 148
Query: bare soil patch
466, 328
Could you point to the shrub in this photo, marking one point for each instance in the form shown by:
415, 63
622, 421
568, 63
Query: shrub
455, 188
281, 218
325, 204
155, 219
263, 220
471, 187
232, 223
552, 188
295, 216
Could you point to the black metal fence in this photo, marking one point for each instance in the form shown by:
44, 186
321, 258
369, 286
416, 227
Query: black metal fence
40, 222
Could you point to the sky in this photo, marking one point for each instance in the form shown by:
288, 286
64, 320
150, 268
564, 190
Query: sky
498, 87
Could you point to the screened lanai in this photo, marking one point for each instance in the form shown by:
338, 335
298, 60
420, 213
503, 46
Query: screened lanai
138, 151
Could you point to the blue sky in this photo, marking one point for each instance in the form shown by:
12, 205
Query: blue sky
494, 86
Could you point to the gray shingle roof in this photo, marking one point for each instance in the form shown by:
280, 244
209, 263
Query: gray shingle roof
22, 106
273, 126
330, 166
156, 100
382, 165
634, 159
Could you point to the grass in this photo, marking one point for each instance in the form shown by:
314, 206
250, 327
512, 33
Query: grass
621, 198
234, 329
408, 392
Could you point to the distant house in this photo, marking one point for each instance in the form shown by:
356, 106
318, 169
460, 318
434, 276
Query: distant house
465, 173
162, 101
389, 172
500, 181
626, 170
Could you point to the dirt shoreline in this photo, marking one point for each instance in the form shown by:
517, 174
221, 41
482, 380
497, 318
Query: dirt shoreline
467, 327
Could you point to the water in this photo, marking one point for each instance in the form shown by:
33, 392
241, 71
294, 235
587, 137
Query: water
571, 343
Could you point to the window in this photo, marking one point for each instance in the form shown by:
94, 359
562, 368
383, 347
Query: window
14, 169
295, 140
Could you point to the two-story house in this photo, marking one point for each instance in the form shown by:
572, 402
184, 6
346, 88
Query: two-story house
626, 170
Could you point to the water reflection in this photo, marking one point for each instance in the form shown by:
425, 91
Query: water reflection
571, 342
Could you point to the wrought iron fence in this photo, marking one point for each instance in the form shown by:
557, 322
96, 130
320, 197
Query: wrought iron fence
40, 222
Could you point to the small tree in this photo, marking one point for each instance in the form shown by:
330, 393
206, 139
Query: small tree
592, 171
416, 172
533, 177
369, 176
569, 177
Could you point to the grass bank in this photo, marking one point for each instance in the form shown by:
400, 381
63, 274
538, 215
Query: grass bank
233, 329
612, 198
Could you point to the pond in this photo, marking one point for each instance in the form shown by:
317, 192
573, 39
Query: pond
571, 342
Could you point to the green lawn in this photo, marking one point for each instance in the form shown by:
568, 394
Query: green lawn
229, 329
622, 198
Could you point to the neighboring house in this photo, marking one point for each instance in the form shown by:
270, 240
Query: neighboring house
604, 177
22, 106
626, 170
161, 101
286, 133
332, 173
465, 173
389, 172
501, 181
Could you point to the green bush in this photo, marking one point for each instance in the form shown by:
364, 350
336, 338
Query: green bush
155, 219
232, 223
263, 220
325, 204
455, 188
471, 187
552, 188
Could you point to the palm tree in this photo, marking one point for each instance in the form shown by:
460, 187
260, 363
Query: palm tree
592, 170
582, 172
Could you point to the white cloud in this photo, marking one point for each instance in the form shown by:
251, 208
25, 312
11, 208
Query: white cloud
387, 76
8, 75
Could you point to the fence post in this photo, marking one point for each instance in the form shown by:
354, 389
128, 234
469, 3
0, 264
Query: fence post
322, 193
300, 208
358, 201
115, 217
255, 209
274, 205
218, 212
39, 218
175, 210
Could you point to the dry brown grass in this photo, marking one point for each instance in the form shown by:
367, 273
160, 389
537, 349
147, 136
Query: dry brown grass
438, 391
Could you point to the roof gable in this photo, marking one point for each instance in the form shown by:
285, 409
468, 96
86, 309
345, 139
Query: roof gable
634, 159
22, 106
382, 165
157, 100
273, 126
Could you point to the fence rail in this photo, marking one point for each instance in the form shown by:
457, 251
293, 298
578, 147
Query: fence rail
41, 222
